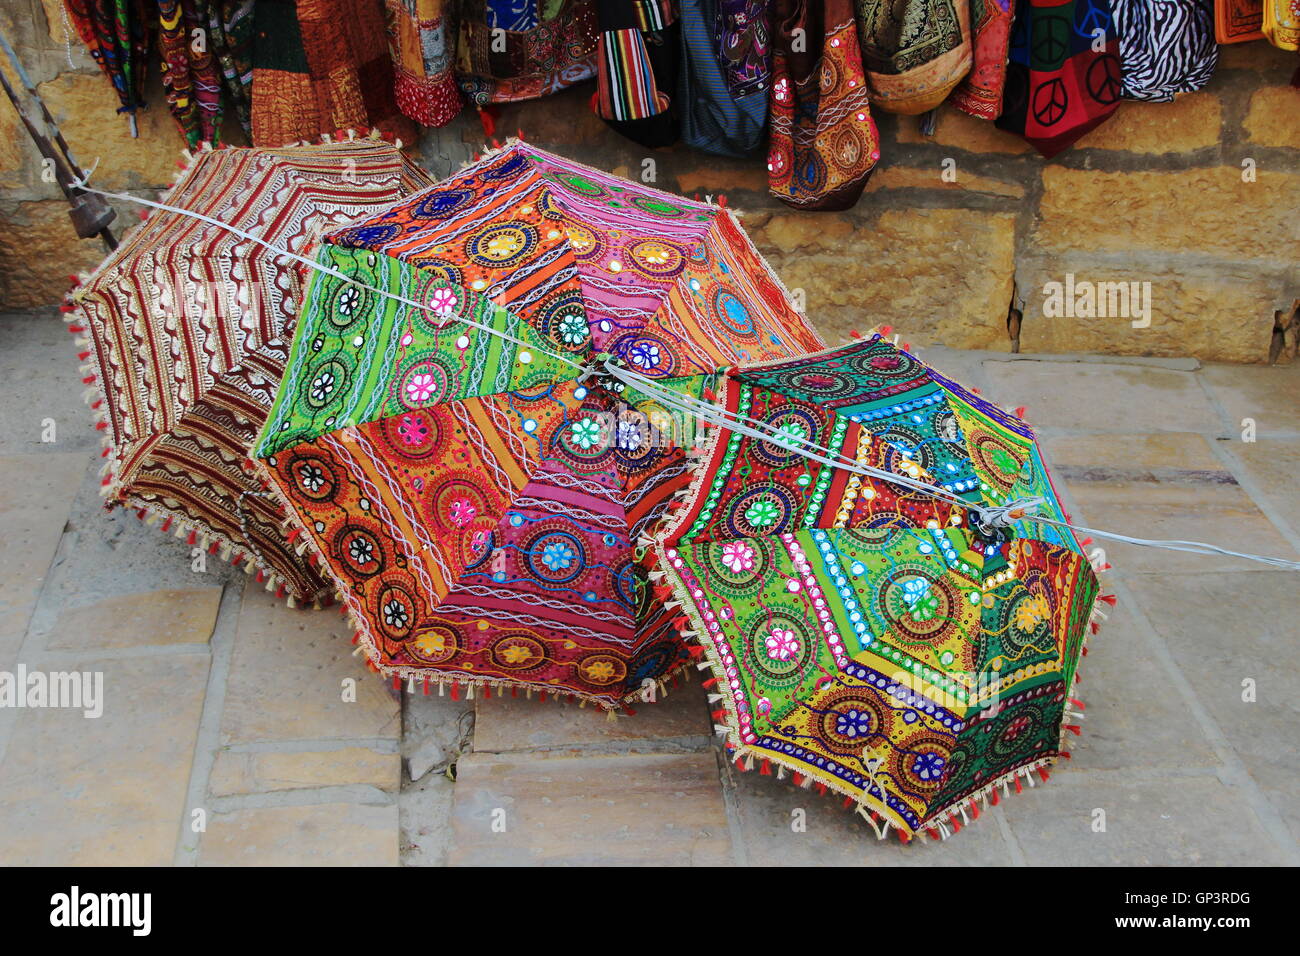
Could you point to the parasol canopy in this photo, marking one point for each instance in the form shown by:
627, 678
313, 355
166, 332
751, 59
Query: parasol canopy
449, 444
184, 331
878, 618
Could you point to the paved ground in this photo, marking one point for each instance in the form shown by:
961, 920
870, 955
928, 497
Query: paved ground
226, 738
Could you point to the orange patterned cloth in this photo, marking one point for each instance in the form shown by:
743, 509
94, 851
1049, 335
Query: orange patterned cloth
320, 66
1236, 21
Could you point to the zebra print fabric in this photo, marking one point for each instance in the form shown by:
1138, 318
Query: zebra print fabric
1166, 46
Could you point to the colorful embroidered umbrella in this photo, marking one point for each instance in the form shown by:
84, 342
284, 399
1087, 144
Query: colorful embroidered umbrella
478, 495
878, 636
183, 328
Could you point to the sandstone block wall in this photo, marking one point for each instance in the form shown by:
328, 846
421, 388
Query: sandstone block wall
954, 242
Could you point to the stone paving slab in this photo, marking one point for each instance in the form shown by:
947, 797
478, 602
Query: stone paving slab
1225, 629
1134, 718
506, 724
331, 834
785, 825
1106, 398
34, 495
39, 369
1155, 820
1269, 396
1219, 514
160, 618
642, 810
271, 771
106, 791
287, 677
1272, 465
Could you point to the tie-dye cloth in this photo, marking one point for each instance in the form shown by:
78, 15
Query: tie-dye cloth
481, 498
869, 636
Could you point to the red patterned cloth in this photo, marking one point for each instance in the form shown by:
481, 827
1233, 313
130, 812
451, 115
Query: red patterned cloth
186, 329
980, 93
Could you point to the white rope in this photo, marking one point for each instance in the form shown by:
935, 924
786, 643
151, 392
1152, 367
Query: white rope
990, 516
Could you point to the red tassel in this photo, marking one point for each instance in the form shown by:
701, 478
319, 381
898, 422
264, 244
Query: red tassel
904, 836
997, 797
855, 334
96, 403
397, 683
1019, 788
280, 592
1108, 598
740, 763
681, 621
514, 691
696, 650
487, 115
88, 380
765, 770
192, 538
885, 330
821, 789
167, 525
798, 779
1074, 729
956, 827
101, 426
76, 329
67, 307
455, 691
1065, 754
662, 593
426, 687
719, 715
1042, 772
722, 200
487, 692
1020, 411
82, 356
261, 576
104, 453
1078, 704
975, 809
711, 682
848, 802
934, 834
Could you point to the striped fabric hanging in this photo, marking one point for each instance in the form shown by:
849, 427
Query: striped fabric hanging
1166, 46
636, 60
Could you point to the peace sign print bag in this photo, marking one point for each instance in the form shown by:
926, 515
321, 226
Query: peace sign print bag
1064, 76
